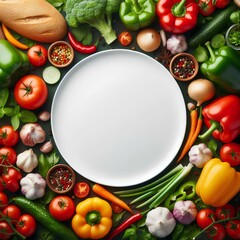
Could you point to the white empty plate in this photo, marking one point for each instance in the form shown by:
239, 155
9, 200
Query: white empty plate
118, 118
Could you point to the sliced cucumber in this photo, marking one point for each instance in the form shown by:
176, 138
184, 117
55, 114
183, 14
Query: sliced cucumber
51, 75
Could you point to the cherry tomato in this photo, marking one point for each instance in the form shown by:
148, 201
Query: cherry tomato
233, 229
230, 152
62, 208
30, 92
12, 211
11, 178
226, 211
125, 38
8, 136
3, 200
221, 3
37, 55
205, 217
206, 7
116, 208
216, 232
26, 225
81, 189
6, 231
8, 156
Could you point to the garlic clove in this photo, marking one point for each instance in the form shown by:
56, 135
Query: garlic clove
46, 147
44, 116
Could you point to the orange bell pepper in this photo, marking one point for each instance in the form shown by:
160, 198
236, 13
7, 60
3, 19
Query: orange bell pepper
92, 219
218, 183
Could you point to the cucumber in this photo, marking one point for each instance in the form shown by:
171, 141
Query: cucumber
51, 75
45, 219
213, 27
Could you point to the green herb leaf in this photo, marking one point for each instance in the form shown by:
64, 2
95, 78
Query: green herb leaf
117, 217
58, 4
9, 111
15, 122
201, 54
1, 112
27, 116
4, 93
83, 34
130, 233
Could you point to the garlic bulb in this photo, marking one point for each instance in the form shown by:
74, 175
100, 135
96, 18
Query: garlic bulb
31, 134
33, 186
27, 160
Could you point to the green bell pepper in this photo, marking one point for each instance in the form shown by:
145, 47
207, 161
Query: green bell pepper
13, 64
223, 68
137, 14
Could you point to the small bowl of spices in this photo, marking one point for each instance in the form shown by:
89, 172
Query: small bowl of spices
60, 178
60, 54
184, 66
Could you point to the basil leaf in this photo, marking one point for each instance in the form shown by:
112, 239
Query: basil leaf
9, 111
117, 217
4, 93
15, 122
27, 116
1, 112
130, 233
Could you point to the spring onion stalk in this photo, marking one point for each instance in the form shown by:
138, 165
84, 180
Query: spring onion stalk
147, 186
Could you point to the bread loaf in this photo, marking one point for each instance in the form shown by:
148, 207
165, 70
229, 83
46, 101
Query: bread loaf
35, 19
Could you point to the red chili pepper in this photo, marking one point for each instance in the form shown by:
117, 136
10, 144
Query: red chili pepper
134, 218
222, 117
177, 16
86, 49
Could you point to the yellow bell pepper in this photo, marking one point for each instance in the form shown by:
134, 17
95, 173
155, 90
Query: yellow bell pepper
218, 183
92, 219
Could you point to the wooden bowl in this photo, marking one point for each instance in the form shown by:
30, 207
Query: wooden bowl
60, 54
61, 178
184, 67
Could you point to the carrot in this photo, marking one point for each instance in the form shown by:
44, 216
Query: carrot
193, 125
12, 39
104, 193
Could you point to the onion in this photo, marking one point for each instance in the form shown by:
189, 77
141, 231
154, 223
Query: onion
201, 90
148, 39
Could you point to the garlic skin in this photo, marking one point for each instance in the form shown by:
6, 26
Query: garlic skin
185, 211
199, 155
33, 186
27, 160
177, 44
31, 134
160, 222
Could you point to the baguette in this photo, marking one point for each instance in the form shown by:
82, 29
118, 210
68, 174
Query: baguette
1, 33
37, 20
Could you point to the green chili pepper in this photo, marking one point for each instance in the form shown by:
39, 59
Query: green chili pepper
185, 192
223, 68
176, 234
137, 14
13, 64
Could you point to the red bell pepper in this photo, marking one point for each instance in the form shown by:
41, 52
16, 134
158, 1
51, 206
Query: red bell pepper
222, 117
177, 16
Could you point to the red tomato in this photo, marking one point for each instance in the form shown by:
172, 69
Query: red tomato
205, 217
125, 38
216, 232
12, 211
221, 3
37, 55
26, 225
3, 200
30, 92
11, 178
6, 231
233, 229
8, 136
206, 7
62, 208
230, 152
226, 211
8, 156
116, 208
81, 189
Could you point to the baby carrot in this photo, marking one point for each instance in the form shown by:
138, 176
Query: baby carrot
193, 125
104, 193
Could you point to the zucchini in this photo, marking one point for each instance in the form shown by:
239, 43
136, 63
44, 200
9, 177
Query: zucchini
213, 27
45, 219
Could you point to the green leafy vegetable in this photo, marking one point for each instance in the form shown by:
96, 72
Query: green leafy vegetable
201, 54
58, 4
95, 13
218, 41
135, 233
83, 34
4, 93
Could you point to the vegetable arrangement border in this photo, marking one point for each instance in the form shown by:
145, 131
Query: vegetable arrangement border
196, 196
